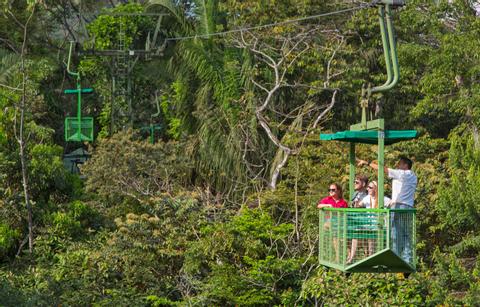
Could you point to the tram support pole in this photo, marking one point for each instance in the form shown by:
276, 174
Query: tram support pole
381, 162
79, 107
351, 182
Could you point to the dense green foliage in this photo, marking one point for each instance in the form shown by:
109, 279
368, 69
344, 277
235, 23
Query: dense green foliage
192, 219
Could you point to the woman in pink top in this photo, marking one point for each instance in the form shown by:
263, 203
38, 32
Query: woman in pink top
334, 198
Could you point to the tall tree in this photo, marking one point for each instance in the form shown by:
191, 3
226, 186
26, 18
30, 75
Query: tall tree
23, 21
21, 138
207, 96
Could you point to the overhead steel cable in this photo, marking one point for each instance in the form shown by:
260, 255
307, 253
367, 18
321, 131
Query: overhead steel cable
273, 24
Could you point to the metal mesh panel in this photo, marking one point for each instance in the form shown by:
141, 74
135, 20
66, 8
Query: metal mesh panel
333, 241
403, 234
72, 131
367, 232
350, 237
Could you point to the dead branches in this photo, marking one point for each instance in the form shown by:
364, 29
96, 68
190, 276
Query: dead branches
278, 56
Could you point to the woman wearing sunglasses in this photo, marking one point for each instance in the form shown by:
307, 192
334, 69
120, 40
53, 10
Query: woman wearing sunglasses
370, 202
334, 198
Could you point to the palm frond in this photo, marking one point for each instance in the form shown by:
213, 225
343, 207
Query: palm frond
207, 14
213, 78
174, 9
8, 63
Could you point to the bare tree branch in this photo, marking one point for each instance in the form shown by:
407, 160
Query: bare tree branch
10, 44
288, 46
329, 64
330, 106
278, 168
279, 56
19, 89
270, 134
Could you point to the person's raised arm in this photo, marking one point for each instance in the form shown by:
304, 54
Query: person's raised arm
372, 164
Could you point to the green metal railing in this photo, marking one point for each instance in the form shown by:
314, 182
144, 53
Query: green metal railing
79, 131
367, 240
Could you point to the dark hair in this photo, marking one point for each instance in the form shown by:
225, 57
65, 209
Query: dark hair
339, 189
362, 178
407, 161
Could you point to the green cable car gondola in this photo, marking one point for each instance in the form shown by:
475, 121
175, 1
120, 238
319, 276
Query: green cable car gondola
152, 127
339, 226
78, 128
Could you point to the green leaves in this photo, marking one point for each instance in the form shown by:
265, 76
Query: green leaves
108, 30
8, 239
458, 202
450, 81
243, 261
187, 221
333, 287
125, 168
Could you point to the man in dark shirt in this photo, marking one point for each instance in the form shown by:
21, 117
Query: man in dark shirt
361, 182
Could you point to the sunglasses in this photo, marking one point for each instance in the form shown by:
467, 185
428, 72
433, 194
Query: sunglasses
332, 190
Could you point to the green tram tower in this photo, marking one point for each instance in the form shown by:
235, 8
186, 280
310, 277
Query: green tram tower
375, 234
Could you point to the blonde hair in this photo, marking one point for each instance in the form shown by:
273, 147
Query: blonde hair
375, 204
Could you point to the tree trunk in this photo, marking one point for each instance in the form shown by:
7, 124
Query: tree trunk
25, 183
283, 154
21, 137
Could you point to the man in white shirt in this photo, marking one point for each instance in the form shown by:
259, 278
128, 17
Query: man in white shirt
404, 184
